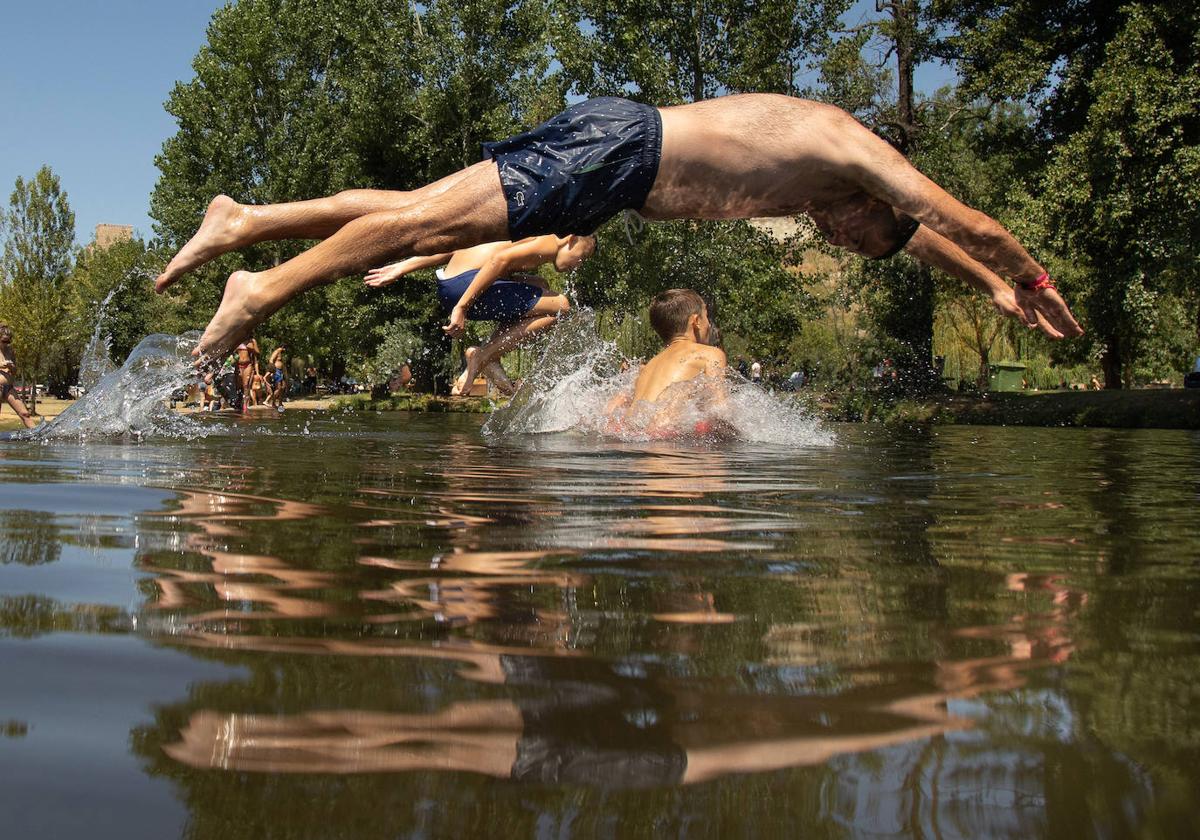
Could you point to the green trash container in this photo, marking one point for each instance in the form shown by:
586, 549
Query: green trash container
1006, 376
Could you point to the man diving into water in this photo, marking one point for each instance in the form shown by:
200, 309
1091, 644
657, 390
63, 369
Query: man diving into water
735, 157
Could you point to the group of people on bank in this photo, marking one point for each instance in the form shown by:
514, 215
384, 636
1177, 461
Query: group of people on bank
241, 384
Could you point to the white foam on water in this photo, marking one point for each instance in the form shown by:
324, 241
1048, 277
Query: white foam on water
579, 375
135, 398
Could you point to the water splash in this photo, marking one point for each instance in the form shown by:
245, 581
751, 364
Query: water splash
96, 361
135, 398
575, 377
579, 375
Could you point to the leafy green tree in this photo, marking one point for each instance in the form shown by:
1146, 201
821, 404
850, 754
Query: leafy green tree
899, 293
39, 229
685, 50
1113, 87
1119, 194
295, 99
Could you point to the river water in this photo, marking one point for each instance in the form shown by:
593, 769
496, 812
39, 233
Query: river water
361, 626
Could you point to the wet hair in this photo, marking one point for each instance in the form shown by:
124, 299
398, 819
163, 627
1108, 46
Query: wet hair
906, 228
5, 332
670, 310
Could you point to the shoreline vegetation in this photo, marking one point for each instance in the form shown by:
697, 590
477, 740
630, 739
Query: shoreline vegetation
1173, 408
1152, 408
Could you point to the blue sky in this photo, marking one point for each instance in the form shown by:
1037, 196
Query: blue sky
82, 87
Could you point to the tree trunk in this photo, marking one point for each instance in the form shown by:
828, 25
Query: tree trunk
903, 15
1111, 361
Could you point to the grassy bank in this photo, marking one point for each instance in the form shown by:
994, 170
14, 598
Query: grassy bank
417, 402
1146, 409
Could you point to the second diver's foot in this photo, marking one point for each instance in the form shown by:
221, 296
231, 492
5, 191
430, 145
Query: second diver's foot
466, 379
496, 375
241, 310
219, 233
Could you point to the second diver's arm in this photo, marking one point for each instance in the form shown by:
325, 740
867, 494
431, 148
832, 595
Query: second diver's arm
377, 278
528, 253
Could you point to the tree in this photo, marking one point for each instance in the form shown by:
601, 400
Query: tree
38, 252
686, 50
1113, 87
900, 293
1119, 194
293, 100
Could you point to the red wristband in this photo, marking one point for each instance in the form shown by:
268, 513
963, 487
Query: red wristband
1043, 282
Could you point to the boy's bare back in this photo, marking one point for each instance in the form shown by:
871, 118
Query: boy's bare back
682, 360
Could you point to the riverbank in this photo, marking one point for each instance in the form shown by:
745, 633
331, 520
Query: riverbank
1145, 409
1173, 408
430, 403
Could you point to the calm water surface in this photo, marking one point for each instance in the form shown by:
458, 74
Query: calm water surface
390, 626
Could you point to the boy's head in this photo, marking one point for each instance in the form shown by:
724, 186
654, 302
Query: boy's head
679, 313
573, 251
5, 334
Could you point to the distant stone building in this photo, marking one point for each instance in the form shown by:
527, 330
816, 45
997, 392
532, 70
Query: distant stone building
109, 235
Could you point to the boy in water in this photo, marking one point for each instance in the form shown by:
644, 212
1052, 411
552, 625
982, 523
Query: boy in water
8, 375
680, 317
486, 278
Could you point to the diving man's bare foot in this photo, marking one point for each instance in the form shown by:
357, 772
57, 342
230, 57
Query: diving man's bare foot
243, 307
467, 378
220, 232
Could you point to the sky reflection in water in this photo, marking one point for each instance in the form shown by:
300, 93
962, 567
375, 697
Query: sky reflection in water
389, 626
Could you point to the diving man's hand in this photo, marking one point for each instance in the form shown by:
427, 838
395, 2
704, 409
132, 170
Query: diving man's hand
1045, 309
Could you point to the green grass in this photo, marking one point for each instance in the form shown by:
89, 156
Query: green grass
1142, 409
417, 402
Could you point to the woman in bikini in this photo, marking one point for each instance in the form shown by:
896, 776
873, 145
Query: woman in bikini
247, 366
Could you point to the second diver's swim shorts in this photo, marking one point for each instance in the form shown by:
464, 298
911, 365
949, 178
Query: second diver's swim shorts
579, 169
504, 300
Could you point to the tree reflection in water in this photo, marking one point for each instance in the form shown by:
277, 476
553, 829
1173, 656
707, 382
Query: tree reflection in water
638, 640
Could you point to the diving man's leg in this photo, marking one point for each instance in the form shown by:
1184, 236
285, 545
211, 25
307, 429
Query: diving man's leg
473, 212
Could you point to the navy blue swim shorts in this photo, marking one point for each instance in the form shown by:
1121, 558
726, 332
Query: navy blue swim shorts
579, 169
504, 300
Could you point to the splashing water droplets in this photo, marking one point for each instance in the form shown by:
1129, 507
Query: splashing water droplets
135, 398
96, 363
579, 373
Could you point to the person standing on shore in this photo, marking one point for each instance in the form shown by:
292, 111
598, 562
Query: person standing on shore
277, 378
8, 377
